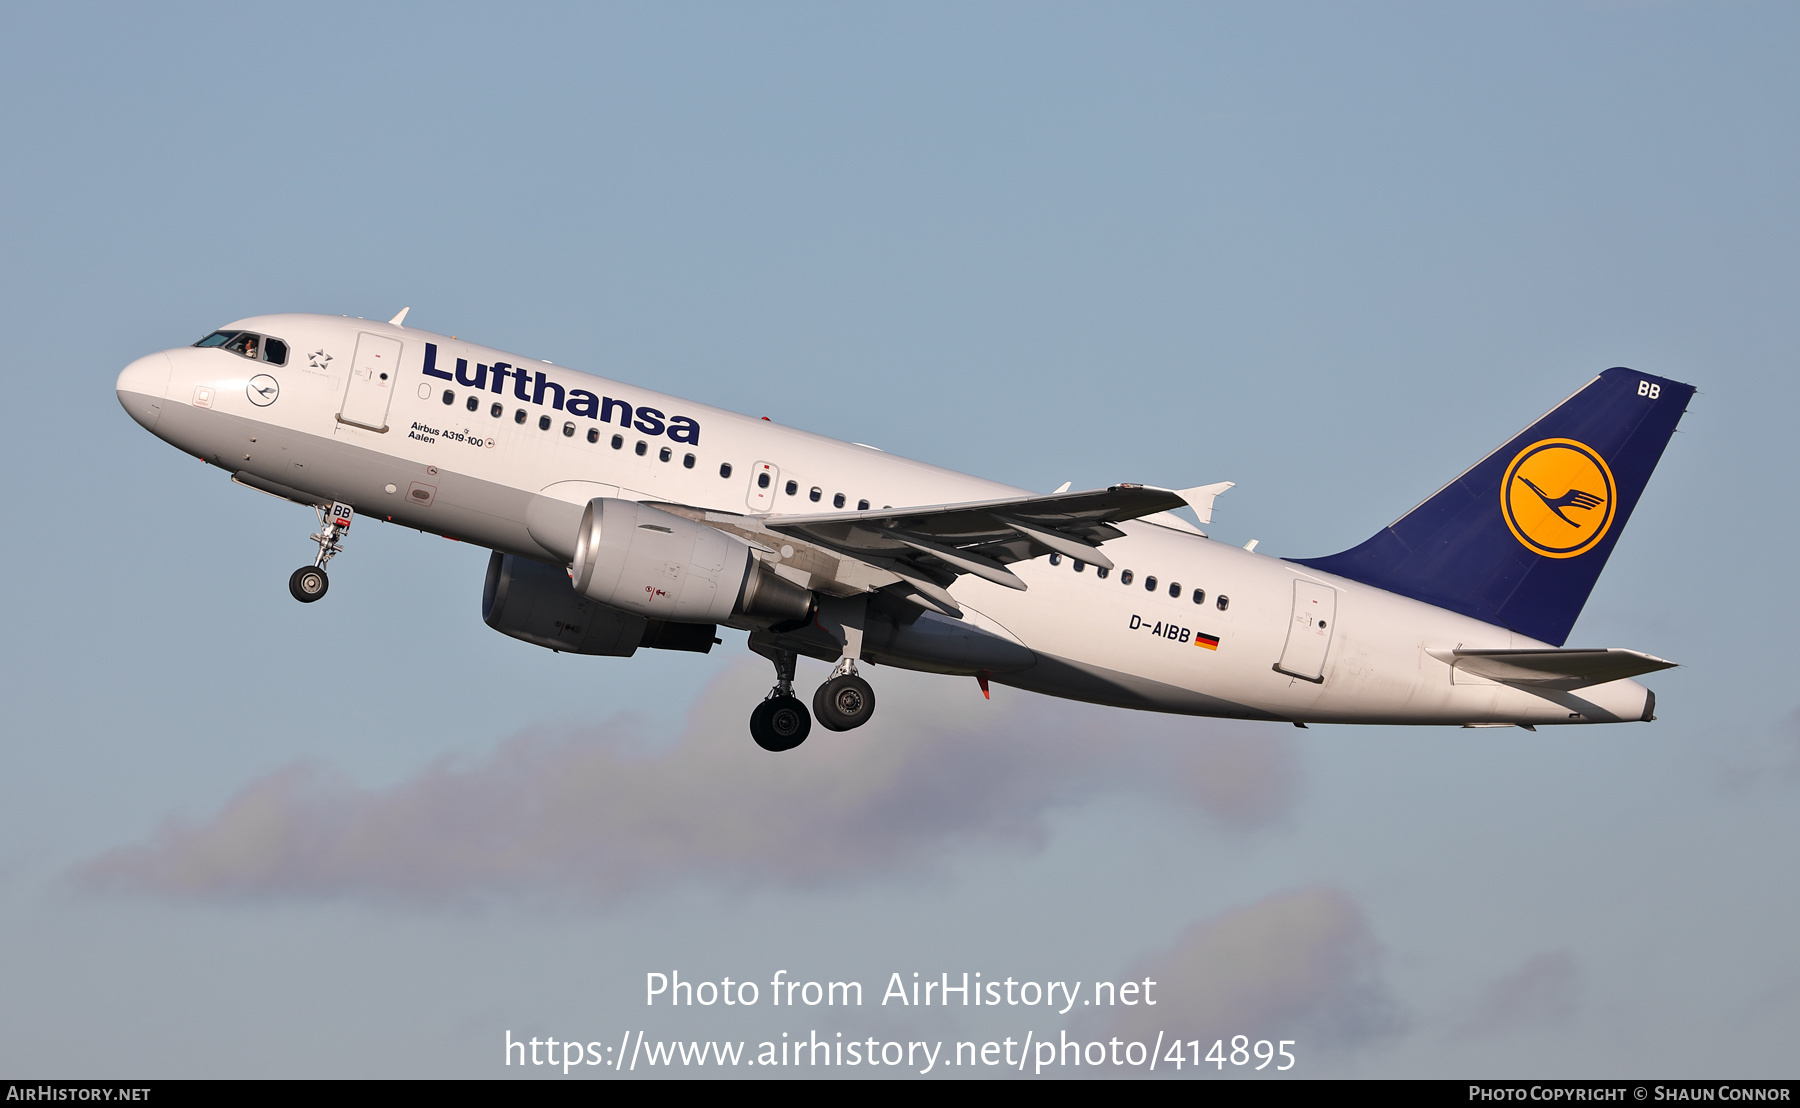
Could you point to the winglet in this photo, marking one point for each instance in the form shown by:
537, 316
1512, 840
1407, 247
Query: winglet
1200, 498
400, 320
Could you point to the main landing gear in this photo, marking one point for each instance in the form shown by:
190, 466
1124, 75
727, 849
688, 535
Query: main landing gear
780, 722
308, 583
844, 702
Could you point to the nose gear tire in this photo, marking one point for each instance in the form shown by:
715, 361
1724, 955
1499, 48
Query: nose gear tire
780, 723
308, 584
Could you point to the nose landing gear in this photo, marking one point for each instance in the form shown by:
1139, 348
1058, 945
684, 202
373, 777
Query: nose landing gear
780, 722
308, 583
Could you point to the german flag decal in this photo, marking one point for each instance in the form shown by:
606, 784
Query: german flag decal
1205, 641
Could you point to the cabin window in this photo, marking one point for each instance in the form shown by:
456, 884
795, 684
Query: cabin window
493, 411
837, 501
815, 494
793, 487
1199, 596
862, 505
1149, 584
274, 351
665, 454
762, 480
593, 434
1125, 577
725, 469
1056, 559
1175, 590
449, 396
543, 423
1102, 571
642, 448
687, 461
1079, 565
618, 442
568, 430
519, 416
474, 404
1223, 602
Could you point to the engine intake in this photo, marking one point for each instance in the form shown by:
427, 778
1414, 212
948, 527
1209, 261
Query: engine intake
654, 563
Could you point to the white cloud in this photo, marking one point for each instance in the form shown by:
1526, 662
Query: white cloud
1299, 965
1541, 991
590, 812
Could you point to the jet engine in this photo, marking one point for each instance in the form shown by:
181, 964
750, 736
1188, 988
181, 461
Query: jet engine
534, 602
660, 565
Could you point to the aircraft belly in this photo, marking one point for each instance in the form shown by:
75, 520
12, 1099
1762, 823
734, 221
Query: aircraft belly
1072, 679
939, 644
456, 505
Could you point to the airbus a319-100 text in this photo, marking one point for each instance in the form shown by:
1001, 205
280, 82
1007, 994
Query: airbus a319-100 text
621, 518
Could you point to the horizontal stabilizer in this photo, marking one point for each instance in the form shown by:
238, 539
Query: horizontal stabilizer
1552, 669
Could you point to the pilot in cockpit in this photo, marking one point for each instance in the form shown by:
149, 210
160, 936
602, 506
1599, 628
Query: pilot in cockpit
244, 344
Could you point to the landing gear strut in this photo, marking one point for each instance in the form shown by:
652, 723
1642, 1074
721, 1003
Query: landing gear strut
780, 722
308, 583
845, 701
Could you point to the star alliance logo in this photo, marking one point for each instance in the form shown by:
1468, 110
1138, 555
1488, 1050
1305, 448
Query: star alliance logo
319, 359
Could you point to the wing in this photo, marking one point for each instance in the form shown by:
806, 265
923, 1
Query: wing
928, 547
1553, 669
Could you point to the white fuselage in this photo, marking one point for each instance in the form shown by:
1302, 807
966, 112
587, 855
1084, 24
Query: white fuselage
474, 476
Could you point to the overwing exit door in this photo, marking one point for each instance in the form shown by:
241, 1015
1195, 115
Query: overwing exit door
374, 372
763, 479
1309, 632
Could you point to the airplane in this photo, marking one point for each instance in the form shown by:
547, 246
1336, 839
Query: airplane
622, 518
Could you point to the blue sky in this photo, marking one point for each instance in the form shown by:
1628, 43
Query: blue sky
1334, 253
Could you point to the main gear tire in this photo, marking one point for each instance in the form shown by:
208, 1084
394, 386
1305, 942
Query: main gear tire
308, 584
844, 703
780, 723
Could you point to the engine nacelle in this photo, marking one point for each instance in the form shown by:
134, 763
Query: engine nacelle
663, 566
534, 603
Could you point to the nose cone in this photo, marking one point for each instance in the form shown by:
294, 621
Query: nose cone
142, 386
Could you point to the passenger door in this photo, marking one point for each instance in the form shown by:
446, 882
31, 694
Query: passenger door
374, 372
1309, 632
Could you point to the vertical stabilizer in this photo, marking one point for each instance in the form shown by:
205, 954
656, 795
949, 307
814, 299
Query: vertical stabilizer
1520, 538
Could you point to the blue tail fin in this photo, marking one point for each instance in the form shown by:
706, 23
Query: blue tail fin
1520, 538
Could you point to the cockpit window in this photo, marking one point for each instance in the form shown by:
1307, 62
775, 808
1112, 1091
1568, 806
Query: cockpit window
248, 345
